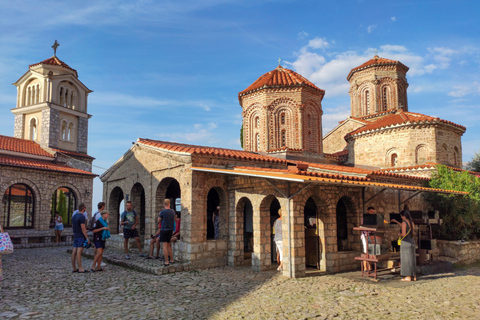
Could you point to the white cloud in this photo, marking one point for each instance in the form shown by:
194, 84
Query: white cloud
370, 28
302, 35
332, 116
463, 90
202, 134
318, 43
393, 19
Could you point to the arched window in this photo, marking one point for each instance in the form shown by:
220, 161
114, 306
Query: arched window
64, 130
64, 202
393, 160
456, 158
282, 118
257, 122
257, 142
385, 99
367, 102
33, 129
284, 138
18, 207
37, 95
70, 132
61, 96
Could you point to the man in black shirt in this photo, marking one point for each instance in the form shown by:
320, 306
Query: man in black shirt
167, 219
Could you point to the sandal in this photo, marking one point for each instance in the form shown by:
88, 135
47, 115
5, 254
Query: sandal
149, 258
98, 270
75, 271
172, 262
408, 279
166, 264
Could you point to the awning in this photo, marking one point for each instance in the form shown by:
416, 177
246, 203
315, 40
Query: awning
289, 176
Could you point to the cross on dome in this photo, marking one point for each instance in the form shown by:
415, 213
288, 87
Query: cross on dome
55, 46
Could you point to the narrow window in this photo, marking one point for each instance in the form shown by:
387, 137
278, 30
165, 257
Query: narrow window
284, 139
385, 97
394, 160
367, 102
37, 97
282, 118
33, 129
64, 130
61, 96
29, 95
257, 122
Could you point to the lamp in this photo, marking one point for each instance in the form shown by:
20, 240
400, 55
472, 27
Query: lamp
87, 193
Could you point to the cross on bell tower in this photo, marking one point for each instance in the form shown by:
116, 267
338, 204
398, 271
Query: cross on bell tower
55, 46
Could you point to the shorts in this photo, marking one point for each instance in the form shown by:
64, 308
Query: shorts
130, 233
60, 227
279, 244
165, 236
100, 244
364, 243
78, 242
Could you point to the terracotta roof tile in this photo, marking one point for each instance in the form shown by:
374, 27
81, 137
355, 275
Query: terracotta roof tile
23, 146
377, 61
53, 61
285, 148
73, 154
219, 152
280, 77
402, 117
41, 165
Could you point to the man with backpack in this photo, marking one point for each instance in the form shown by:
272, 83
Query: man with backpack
129, 221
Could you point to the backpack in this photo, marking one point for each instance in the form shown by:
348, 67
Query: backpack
92, 222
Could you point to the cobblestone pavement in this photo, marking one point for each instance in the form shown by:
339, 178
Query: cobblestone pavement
38, 284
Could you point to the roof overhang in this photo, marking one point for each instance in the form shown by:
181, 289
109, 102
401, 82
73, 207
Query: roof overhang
288, 176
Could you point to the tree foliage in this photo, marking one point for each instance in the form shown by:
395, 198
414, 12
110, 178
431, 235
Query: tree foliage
474, 165
460, 214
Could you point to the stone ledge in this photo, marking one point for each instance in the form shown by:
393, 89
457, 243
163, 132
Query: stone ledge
137, 263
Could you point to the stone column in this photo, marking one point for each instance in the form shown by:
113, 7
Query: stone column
297, 241
261, 241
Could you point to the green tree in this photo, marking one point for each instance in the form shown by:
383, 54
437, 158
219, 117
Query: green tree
460, 214
62, 205
474, 165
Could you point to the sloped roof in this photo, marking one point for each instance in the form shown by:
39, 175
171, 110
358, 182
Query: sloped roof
73, 154
41, 165
377, 61
22, 146
209, 151
402, 117
280, 77
53, 61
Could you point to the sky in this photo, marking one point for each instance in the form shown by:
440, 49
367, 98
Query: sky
172, 70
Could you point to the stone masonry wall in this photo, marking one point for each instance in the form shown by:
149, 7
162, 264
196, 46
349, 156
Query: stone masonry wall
82, 135
334, 141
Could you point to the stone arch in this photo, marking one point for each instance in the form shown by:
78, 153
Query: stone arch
33, 128
322, 226
262, 234
67, 93
70, 201
282, 108
244, 231
32, 92
114, 200
137, 196
365, 97
386, 94
216, 196
346, 219
422, 154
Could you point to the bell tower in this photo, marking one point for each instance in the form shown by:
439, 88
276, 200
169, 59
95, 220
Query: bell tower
376, 86
282, 111
52, 106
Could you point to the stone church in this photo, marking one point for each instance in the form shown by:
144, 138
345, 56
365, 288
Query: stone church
380, 156
45, 166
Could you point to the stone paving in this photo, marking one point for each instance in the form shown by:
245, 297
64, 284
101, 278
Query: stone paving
39, 284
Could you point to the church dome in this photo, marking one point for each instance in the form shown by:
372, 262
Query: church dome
378, 61
279, 78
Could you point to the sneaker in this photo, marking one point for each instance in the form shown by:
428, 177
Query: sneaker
127, 256
142, 255
103, 264
279, 269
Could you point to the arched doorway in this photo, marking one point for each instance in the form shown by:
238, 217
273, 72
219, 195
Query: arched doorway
247, 230
64, 202
138, 202
274, 207
174, 194
213, 200
344, 215
116, 207
312, 239
18, 207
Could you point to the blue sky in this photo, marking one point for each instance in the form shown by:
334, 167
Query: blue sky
171, 70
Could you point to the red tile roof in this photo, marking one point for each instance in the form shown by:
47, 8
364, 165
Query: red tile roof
280, 77
377, 61
23, 146
402, 117
307, 173
41, 165
285, 148
53, 61
209, 151
73, 154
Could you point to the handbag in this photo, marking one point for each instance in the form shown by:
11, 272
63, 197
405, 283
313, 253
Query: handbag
399, 241
6, 245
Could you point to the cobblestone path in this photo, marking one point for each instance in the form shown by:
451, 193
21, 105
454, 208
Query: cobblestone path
38, 284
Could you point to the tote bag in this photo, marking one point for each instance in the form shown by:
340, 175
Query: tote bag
6, 245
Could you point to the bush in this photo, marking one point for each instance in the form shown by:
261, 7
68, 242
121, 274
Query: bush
460, 214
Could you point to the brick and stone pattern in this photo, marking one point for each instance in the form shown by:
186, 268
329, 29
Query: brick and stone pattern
43, 184
334, 141
269, 112
412, 144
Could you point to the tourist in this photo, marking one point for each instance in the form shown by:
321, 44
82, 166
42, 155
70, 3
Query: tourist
167, 219
367, 266
408, 263
278, 238
216, 222
176, 234
129, 220
85, 214
155, 242
58, 227
101, 233
92, 223
79, 237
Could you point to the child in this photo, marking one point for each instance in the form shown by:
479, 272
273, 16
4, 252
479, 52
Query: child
101, 232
